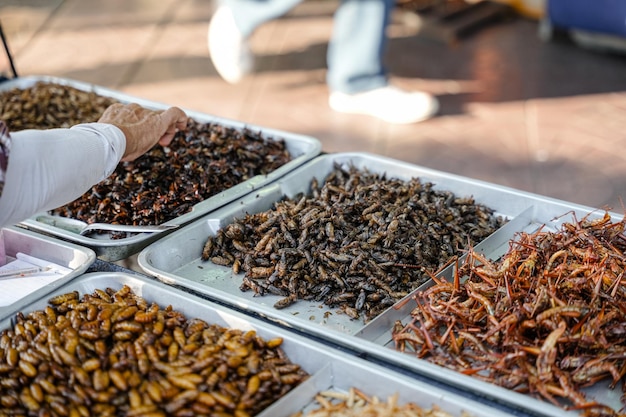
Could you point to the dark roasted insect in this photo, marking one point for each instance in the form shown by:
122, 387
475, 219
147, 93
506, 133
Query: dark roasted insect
349, 242
165, 183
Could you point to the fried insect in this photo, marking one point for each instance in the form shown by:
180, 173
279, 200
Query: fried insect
166, 183
547, 318
50, 105
136, 368
357, 243
355, 403
202, 161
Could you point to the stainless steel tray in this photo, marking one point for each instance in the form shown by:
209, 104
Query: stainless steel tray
301, 148
175, 259
56, 251
377, 333
329, 368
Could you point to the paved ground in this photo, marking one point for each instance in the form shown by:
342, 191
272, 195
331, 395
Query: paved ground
544, 117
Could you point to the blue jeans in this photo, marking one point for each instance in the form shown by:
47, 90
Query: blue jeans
355, 51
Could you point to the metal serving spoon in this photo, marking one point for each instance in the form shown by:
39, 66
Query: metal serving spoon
82, 228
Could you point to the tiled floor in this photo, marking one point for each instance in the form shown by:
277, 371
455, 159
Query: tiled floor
544, 117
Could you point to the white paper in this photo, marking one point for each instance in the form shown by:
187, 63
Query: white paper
43, 263
14, 289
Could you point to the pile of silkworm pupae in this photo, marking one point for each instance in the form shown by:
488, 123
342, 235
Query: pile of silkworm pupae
112, 353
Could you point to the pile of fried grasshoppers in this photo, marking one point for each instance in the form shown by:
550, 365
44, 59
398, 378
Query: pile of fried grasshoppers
548, 318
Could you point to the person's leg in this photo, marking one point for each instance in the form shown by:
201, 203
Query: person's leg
357, 78
355, 51
250, 14
231, 25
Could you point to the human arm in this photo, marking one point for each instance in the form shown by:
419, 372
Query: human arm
49, 168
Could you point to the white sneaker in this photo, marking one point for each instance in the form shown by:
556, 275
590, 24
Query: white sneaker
387, 103
228, 48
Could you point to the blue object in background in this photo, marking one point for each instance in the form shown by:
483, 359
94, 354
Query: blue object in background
601, 16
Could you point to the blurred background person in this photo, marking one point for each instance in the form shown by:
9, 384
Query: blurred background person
356, 78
